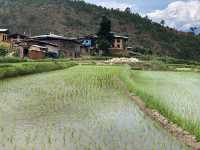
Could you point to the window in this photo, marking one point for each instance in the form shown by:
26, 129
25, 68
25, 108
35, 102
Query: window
118, 40
118, 46
4, 37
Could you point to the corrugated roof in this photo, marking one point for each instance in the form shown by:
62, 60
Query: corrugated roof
3, 30
119, 36
39, 46
54, 36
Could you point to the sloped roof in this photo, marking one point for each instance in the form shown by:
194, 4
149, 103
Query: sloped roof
17, 34
40, 42
43, 47
119, 36
3, 30
56, 37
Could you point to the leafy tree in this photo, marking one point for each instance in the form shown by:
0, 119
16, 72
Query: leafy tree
105, 36
128, 10
193, 29
3, 50
162, 22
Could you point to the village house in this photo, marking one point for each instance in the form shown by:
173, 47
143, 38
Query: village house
37, 52
119, 45
52, 50
70, 47
88, 44
15, 39
4, 35
53, 46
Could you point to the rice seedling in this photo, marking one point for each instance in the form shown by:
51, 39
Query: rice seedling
77, 108
175, 94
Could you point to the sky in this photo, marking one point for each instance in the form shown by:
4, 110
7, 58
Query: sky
179, 14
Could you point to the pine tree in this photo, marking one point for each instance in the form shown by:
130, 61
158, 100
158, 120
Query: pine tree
105, 36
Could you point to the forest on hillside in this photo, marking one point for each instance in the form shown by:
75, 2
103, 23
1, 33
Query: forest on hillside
77, 18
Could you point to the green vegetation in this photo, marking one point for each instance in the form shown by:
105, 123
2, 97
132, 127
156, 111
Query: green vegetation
83, 107
3, 51
11, 60
80, 18
105, 37
13, 70
174, 94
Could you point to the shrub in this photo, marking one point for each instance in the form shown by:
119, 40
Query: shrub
3, 50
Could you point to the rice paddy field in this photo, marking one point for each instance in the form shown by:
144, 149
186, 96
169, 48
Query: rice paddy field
80, 108
175, 94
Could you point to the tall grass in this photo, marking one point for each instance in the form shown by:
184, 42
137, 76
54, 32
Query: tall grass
174, 94
13, 70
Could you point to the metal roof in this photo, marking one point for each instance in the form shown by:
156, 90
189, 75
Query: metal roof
56, 37
39, 46
3, 30
119, 36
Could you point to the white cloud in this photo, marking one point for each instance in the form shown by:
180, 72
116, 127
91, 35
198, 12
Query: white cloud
111, 4
180, 14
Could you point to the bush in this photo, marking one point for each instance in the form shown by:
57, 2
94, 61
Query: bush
3, 50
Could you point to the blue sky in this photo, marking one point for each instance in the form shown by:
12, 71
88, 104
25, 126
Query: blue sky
179, 14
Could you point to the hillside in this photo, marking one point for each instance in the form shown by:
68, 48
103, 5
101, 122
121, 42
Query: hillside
78, 18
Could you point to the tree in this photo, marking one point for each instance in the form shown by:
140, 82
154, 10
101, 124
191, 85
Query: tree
162, 22
105, 36
128, 10
193, 29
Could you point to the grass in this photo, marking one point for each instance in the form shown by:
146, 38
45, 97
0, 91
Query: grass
174, 94
18, 69
82, 107
12, 60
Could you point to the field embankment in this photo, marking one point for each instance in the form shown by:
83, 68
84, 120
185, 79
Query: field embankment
174, 94
18, 69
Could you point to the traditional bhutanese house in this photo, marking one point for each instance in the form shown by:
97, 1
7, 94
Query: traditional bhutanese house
70, 47
4, 35
37, 52
88, 44
24, 46
119, 45
15, 39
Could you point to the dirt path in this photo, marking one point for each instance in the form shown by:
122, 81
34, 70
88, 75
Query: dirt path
176, 131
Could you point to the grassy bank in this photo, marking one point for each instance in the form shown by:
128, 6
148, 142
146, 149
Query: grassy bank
18, 69
173, 94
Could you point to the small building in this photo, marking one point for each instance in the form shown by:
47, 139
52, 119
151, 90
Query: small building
37, 52
70, 47
24, 47
88, 44
119, 45
4, 35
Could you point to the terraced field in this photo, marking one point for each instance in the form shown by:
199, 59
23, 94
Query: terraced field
175, 94
81, 108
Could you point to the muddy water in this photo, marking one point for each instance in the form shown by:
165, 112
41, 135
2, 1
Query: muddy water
55, 111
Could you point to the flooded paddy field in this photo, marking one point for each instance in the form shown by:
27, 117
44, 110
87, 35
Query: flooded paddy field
81, 108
